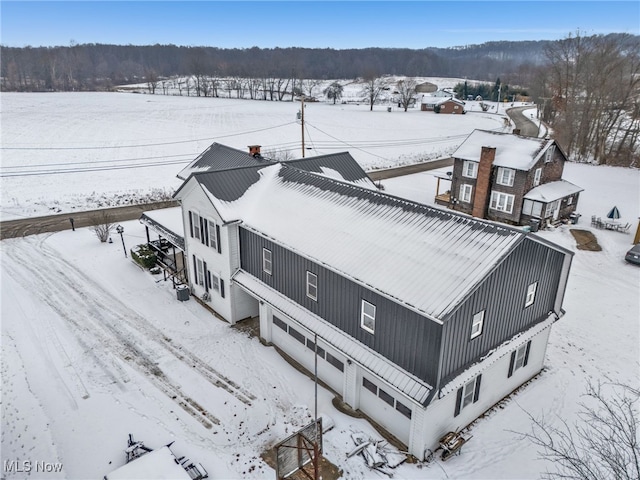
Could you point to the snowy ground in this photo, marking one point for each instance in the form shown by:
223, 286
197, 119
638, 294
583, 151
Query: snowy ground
123, 147
93, 349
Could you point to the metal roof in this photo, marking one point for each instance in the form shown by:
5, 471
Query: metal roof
168, 223
549, 192
341, 166
220, 157
425, 258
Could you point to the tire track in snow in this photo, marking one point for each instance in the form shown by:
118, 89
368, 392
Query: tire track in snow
104, 325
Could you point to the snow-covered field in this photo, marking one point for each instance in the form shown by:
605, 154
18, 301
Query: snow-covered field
125, 147
93, 348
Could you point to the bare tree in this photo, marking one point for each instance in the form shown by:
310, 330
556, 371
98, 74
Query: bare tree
406, 91
102, 225
309, 85
373, 87
334, 91
604, 444
152, 79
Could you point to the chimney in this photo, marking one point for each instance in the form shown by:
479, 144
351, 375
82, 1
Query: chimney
483, 182
254, 150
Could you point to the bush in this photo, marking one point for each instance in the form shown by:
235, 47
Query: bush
143, 255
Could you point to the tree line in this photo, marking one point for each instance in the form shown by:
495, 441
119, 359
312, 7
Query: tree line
586, 88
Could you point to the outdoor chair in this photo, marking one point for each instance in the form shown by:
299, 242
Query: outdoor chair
593, 221
599, 223
623, 228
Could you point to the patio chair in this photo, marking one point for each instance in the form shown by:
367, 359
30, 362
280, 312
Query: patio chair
593, 221
599, 223
623, 228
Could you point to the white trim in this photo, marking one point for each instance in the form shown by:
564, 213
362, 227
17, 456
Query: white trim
531, 294
465, 192
502, 202
477, 324
505, 176
367, 318
468, 164
312, 293
267, 263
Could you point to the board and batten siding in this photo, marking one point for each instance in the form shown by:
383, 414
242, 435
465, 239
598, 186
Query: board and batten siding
406, 338
502, 295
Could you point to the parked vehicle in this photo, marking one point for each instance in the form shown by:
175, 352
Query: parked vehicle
633, 255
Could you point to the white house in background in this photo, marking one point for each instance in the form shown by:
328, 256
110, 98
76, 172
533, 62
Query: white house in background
424, 318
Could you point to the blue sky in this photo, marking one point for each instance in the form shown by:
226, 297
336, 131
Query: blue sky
312, 24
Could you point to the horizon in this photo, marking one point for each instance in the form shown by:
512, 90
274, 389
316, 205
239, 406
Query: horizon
308, 24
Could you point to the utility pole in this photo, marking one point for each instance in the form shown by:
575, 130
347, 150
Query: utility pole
302, 121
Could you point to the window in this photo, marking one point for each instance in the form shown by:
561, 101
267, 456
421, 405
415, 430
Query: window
279, 323
469, 169
548, 156
213, 237
529, 207
570, 200
465, 193
196, 225
368, 316
215, 282
386, 397
537, 176
200, 268
531, 294
312, 286
334, 361
403, 409
476, 325
505, 176
519, 358
468, 394
297, 335
369, 385
552, 208
267, 261
502, 202
312, 346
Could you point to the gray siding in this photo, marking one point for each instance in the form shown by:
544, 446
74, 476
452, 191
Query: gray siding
502, 295
406, 338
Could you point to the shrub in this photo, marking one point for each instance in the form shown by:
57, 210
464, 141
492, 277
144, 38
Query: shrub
143, 255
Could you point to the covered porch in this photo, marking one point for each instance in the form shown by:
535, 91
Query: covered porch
550, 203
165, 236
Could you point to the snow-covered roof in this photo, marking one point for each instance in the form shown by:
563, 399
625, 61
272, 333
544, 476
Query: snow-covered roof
167, 222
405, 382
156, 465
552, 191
512, 151
220, 157
430, 100
422, 257
341, 166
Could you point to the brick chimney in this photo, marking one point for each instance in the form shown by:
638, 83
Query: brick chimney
483, 182
254, 150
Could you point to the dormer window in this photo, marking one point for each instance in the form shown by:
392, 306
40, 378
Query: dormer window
469, 169
548, 156
506, 176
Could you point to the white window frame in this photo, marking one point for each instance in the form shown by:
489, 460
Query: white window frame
477, 324
267, 261
215, 282
201, 272
548, 156
465, 192
506, 176
368, 319
521, 353
213, 238
570, 200
195, 221
312, 286
537, 176
531, 295
468, 393
502, 202
468, 164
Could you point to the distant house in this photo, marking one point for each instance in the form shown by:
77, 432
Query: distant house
442, 105
421, 318
512, 179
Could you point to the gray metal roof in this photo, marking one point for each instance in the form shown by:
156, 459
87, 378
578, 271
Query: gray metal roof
342, 164
220, 157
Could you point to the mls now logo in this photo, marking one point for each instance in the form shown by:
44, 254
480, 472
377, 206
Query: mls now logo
27, 466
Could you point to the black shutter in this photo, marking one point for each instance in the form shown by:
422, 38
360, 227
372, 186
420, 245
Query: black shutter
476, 394
205, 232
218, 238
511, 363
190, 224
202, 234
195, 270
458, 402
222, 288
207, 277
526, 354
